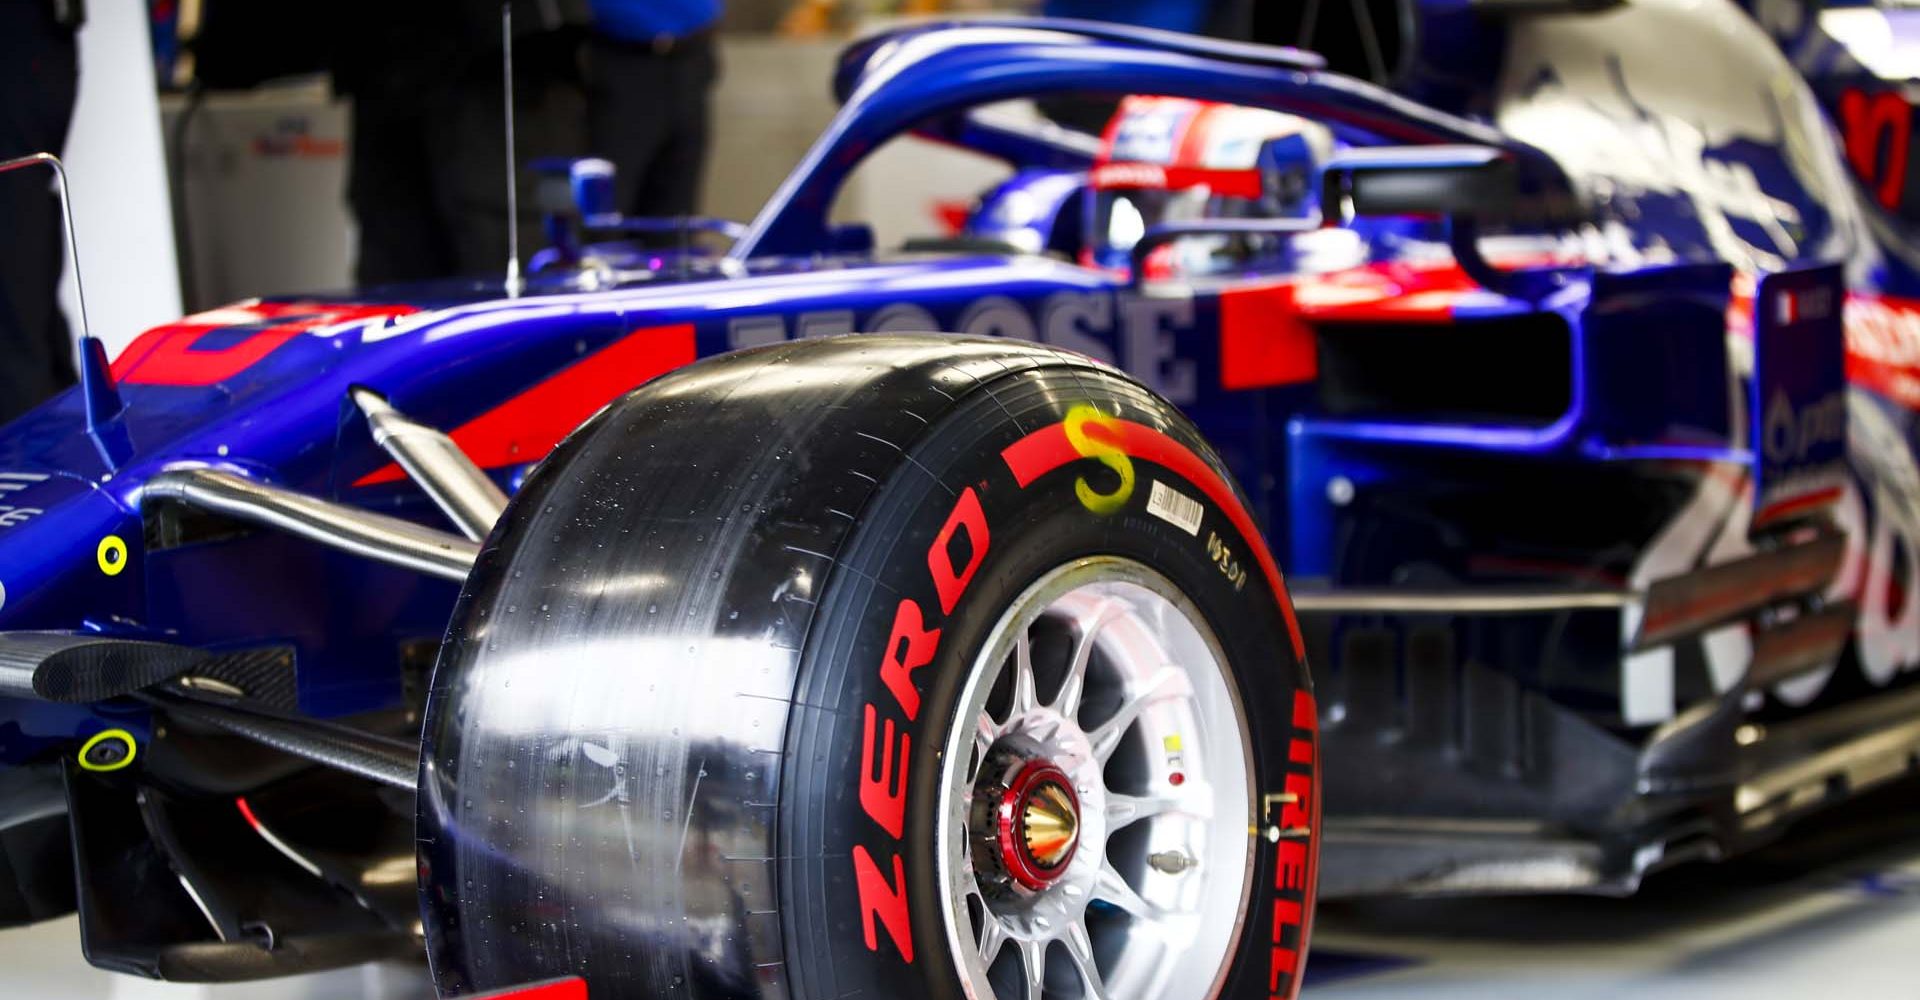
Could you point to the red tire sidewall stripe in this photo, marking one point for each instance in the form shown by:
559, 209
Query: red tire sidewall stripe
1048, 449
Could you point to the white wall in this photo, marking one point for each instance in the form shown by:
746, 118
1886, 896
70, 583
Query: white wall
119, 181
775, 99
264, 188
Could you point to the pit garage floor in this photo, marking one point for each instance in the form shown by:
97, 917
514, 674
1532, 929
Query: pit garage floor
1831, 912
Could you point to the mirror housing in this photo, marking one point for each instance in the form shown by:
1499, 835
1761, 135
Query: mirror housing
591, 180
580, 187
1468, 186
1435, 181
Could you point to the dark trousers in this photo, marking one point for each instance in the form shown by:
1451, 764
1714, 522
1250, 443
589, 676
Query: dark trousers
39, 79
647, 112
427, 175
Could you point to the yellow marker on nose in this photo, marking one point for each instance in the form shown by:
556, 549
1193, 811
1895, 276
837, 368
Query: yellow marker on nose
112, 555
108, 751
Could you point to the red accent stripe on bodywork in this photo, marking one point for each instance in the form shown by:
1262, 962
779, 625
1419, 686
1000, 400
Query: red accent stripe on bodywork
169, 355
1794, 506
1129, 176
1263, 340
1048, 449
1394, 292
1267, 332
1883, 347
530, 424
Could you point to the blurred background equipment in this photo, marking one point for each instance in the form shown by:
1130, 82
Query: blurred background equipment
256, 149
39, 82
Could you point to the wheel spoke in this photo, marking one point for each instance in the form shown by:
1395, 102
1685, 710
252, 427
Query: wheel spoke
1025, 698
1112, 888
1080, 947
985, 731
993, 937
1167, 682
1194, 800
1067, 700
1033, 963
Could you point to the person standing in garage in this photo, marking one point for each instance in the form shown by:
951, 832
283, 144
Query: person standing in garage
650, 67
39, 82
426, 178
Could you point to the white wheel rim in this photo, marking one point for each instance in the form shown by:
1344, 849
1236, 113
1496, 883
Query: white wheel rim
1113, 678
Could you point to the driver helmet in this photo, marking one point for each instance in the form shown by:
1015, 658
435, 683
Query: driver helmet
1170, 159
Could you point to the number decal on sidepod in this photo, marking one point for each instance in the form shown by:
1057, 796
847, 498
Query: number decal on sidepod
1864, 119
1884, 577
1880, 570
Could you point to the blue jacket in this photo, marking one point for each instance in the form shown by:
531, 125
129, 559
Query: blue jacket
1171, 15
646, 20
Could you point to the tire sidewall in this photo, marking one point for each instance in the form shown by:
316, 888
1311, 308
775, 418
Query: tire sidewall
916, 545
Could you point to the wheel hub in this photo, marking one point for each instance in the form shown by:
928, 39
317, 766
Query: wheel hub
1098, 705
1030, 814
1038, 825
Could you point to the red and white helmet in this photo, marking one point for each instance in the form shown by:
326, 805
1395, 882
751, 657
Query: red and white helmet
1170, 159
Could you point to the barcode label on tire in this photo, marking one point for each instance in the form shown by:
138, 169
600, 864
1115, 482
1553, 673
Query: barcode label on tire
1174, 507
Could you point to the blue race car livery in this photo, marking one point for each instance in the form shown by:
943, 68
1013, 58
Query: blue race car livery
819, 619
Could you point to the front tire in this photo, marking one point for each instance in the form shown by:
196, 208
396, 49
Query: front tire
895, 666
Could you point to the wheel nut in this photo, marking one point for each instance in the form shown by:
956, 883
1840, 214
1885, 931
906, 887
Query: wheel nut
1037, 825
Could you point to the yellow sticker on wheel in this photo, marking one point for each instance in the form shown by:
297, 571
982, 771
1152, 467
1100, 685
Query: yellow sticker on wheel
112, 555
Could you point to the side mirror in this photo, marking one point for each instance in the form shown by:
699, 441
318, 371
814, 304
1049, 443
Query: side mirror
577, 198
593, 193
569, 190
1475, 181
578, 187
1465, 185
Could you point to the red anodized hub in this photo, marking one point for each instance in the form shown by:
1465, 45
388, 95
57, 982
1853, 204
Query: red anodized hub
1038, 825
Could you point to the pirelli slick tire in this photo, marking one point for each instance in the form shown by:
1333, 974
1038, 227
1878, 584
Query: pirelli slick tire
874, 666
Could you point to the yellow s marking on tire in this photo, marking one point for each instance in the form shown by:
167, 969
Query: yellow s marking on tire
112, 555
116, 749
1106, 453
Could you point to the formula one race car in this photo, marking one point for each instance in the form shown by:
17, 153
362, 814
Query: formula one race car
771, 661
